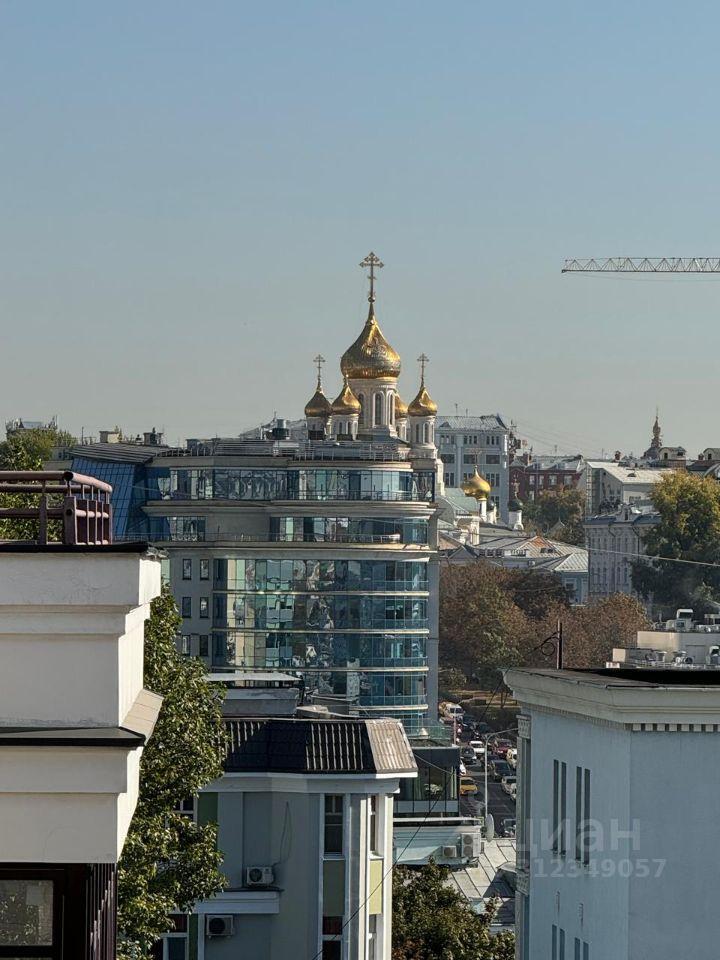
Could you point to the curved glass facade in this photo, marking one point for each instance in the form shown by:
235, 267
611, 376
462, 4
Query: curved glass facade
217, 483
348, 530
357, 629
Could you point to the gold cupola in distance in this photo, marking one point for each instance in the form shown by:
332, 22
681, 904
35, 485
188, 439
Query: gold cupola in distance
423, 405
318, 405
346, 403
476, 486
371, 357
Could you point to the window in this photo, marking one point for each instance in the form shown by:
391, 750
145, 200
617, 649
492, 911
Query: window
582, 949
558, 943
559, 837
186, 607
582, 815
204, 645
333, 823
186, 808
374, 839
30, 915
204, 607
378, 409
204, 569
187, 569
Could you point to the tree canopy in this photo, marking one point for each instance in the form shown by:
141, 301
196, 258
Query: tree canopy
557, 512
688, 529
433, 921
169, 862
492, 618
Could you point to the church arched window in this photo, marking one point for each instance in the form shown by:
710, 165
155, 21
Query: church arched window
361, 401
378, 409
391, 402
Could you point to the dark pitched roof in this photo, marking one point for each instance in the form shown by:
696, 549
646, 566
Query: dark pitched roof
277, 745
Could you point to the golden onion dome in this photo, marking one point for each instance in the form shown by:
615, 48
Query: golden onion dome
476, 486
318, 405
346, 403
401, 408
371, 357
423, 405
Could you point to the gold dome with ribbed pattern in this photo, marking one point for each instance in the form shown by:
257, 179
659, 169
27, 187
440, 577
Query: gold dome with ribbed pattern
423, 405
346, 403
371, 357
318, 405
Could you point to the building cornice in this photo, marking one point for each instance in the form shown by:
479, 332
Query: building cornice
638, 706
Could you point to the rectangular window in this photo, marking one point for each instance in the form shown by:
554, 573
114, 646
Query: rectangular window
204, 569
561, 944
554, 943
586, 951
577, 954
333, 823
204, 645
559, 828
186, 607
332, 950
204, 607
187, 569
582, 815
28, 915
374, 839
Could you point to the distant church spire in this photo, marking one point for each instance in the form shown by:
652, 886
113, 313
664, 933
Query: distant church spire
656, 438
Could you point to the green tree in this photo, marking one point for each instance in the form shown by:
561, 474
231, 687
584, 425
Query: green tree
433, 921
688, 529
559, 513
590, 632
169, 862
481, 629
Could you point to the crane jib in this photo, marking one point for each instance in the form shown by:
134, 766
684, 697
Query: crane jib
644, 265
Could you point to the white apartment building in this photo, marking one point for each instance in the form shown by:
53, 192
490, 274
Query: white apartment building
614, 541
617, 789
465, 443
305, 823
608, 484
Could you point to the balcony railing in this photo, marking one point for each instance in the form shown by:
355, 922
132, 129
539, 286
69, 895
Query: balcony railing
70, 505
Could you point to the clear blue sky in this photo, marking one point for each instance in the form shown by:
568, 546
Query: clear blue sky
186, 190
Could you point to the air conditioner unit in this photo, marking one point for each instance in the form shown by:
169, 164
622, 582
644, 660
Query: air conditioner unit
468, 845
450, 852
259, 877
219, 925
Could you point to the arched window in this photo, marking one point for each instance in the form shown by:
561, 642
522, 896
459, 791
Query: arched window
361, 401
426, 433
392, 408
378, 409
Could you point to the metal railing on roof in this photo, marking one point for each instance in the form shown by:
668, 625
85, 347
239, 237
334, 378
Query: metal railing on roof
80, 504
296, 449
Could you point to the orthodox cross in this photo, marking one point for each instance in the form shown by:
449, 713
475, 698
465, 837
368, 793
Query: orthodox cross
423, 361
319, 360
373, 263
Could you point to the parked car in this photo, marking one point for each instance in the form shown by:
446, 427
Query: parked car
499, 769
468, 787
508, 827
467, 754
506, 783
513, 792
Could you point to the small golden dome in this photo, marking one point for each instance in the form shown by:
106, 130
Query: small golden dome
346, 403
318, 405
371, 356
423, 405
401, 408
477, 487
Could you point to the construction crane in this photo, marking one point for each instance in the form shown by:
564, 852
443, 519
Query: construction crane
644, 265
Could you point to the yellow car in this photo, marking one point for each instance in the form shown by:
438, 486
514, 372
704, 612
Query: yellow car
467, 786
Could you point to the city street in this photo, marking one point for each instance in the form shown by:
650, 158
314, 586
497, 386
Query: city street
501, 805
